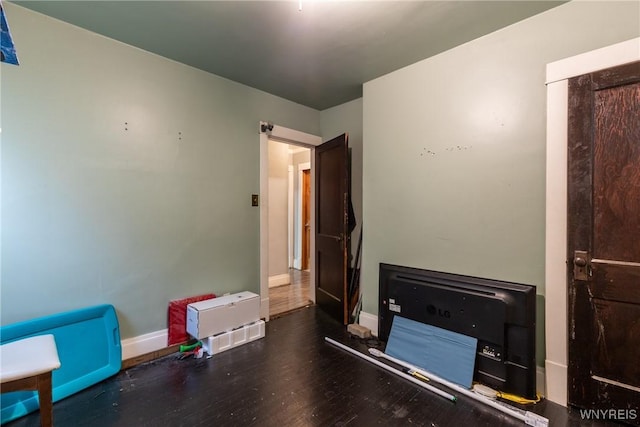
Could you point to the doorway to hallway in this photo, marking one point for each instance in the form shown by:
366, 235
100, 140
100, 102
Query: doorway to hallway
289, 223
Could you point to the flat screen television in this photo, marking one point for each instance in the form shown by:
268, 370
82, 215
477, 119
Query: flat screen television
501, 315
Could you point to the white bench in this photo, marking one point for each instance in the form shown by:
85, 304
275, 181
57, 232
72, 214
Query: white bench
27, 364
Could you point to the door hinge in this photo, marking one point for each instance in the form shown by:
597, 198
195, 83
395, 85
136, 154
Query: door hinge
581, 266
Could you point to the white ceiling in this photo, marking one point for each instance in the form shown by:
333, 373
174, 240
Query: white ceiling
319, 56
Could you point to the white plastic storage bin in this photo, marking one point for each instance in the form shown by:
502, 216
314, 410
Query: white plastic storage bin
235, 338
213, 316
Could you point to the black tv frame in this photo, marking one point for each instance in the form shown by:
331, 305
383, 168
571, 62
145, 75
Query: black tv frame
501, 315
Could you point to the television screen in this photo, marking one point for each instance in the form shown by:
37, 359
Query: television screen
501, 315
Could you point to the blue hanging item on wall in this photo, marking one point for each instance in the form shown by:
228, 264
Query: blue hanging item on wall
448, 354
7, 49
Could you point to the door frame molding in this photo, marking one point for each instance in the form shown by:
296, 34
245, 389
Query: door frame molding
556, 320
290, 218
301, 168
293, 137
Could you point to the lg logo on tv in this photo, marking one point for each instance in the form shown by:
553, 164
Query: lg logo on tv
434, 311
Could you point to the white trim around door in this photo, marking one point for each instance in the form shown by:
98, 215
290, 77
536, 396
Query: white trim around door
297, 263
556, 321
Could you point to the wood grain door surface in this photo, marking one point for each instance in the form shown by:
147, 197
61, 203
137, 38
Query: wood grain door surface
332, 187
604, 241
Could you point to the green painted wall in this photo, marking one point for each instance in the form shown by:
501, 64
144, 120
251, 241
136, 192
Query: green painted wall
126, 178
454, 159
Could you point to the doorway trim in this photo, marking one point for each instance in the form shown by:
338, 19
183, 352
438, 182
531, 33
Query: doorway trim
290, 218
556, 320
301, 168
292, 137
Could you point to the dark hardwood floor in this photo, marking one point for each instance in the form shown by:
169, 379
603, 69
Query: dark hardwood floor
291, 377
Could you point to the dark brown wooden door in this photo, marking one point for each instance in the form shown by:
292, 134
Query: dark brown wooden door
604, 241
332, 187
306, 218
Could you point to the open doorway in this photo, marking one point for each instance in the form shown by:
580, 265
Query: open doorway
289, 223
294, 138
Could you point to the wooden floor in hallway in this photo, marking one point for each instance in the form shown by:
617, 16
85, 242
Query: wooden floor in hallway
293, 296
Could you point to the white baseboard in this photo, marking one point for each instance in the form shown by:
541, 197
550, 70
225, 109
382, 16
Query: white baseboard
370, 321
297, 263
279, 280
556, 382
143, 344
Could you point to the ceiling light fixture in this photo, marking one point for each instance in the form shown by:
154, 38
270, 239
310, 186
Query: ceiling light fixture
300, 5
